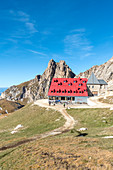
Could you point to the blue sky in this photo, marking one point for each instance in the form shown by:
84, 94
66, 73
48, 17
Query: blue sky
34, 31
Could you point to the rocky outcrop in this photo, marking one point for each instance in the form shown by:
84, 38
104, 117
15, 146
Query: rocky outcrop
38, 87
104, 71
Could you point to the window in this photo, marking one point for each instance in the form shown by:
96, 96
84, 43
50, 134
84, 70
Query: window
74, 91
68, 98
100, 86
68, 91
78, 88
62, 98
73, 98
59, 84
51, 91
62, 91
57, 91
55, 80
92, 86
64, 81
79, 84
89, 87
69, 84
83, 81
79, 91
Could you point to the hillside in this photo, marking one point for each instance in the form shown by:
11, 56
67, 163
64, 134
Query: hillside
104, 71
9, 106
38, 87
65, 151
34, 120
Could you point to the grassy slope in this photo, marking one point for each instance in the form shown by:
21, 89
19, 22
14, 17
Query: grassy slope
35, 120
67, 151
98, 121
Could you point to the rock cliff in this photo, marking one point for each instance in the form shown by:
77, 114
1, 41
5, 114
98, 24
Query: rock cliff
104, 71
38, 87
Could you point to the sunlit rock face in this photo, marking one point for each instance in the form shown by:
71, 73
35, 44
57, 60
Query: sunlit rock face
38, 87
104, 71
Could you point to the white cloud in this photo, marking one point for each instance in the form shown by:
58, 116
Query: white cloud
77, 43
31, 27
85, 55
88, 48
12, 40
21, 16
46, 32
78, 30
36, 52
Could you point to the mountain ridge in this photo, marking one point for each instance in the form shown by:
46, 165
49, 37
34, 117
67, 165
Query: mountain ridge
103, 71
38, 87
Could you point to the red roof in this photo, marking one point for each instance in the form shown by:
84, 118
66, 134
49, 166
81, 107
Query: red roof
68, 87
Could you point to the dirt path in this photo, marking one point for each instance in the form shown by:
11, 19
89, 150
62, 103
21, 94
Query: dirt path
69, 124
98, 104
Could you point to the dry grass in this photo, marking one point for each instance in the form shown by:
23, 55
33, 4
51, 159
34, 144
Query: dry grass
9, 106
58, 153
66, 151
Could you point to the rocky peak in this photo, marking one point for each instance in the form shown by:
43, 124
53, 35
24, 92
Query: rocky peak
38, 87
104, 71
63, 70
62, 62
51, 63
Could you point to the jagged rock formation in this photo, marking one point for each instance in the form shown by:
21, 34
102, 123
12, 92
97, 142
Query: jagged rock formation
104, 71
38, 87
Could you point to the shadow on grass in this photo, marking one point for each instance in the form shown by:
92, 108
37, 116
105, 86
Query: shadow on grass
82, 134
25, 141
79, 133
16, 144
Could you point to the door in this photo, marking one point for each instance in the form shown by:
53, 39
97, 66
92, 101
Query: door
95, 93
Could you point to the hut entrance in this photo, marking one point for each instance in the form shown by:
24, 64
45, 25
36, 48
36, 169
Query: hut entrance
95, 93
